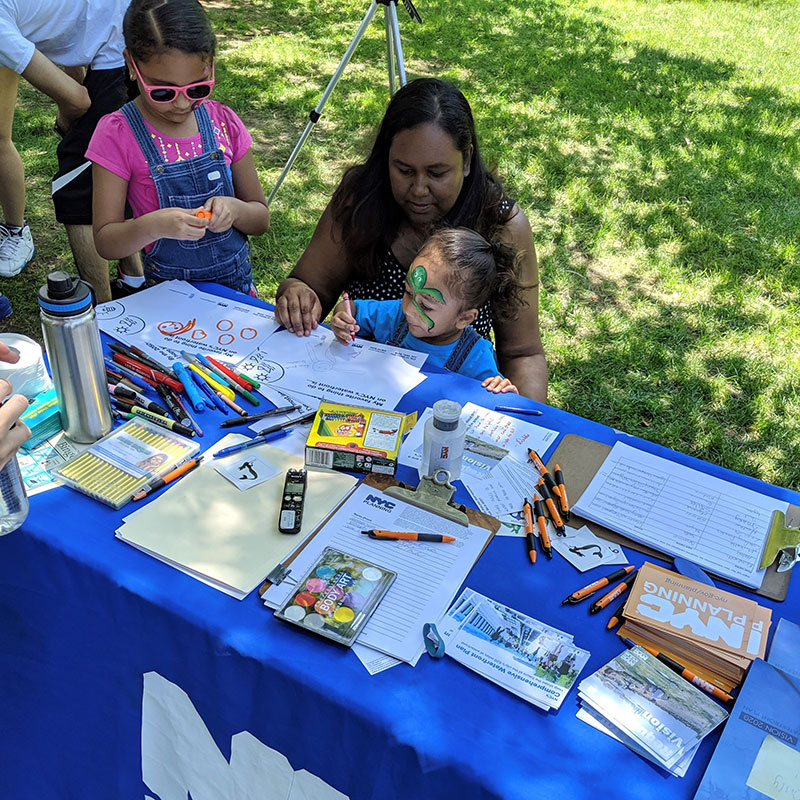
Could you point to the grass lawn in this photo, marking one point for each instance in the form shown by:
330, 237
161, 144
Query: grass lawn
653, 145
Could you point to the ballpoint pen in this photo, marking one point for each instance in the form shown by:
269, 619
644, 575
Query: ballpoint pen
274, 412
155, 485
558, 523
611, 596
263, 439
541, 522
600, 583
528, 412
408, 536
685, 672
562, 493
529, 534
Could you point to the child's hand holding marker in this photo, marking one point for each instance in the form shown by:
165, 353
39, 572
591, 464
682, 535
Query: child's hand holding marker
499, 385
343, 323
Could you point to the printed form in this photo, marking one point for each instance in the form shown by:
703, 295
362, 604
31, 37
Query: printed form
680, 511
428, 574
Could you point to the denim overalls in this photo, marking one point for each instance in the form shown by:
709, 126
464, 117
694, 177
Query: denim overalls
217, 257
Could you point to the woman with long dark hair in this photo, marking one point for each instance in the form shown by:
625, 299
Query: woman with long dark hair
425, 171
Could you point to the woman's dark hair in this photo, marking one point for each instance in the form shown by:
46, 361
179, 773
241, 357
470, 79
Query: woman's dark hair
363, 206
481, 271
151, 27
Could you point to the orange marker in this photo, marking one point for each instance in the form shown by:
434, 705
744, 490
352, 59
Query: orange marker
202, 213
187, 466
600, 604
409, 536
562, 493
684, 672
541, 522
529, 534
558, 523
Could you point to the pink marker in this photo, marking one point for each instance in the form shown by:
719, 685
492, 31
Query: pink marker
348, 307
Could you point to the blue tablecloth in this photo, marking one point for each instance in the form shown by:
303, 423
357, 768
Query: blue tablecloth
83, 618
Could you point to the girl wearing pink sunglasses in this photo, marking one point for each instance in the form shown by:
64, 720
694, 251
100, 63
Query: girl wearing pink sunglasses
172, 153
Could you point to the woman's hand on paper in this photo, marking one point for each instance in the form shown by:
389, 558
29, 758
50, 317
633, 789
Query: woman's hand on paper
499, 385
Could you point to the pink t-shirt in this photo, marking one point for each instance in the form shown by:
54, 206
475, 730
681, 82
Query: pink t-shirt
114, 147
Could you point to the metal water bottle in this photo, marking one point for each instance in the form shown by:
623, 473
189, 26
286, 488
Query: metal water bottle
72, 341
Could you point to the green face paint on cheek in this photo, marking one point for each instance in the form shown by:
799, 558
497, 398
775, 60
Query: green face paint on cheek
417, 278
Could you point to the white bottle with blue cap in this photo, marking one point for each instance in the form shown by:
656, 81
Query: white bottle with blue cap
72, 342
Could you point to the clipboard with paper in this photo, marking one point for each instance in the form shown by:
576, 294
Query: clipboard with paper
429, 575
732, 523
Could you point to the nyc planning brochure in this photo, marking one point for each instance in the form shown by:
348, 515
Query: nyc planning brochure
428, 573
680, 511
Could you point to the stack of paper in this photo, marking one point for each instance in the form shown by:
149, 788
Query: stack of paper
428, 573
495, 469
645, 705
224, 535
533, 660
714, 633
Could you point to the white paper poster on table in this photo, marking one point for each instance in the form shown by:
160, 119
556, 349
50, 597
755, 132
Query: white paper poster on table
174, 316
361, 373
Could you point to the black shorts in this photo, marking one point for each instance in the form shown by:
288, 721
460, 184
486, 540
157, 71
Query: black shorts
108, 91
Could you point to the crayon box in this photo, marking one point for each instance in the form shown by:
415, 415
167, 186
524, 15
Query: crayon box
355, 439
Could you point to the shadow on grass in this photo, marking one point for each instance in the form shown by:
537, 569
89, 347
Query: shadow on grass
666, 149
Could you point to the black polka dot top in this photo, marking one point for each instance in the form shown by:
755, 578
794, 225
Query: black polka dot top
391, 281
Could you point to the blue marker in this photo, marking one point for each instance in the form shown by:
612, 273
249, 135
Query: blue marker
128, 373
195, 398
218, 374
208, 391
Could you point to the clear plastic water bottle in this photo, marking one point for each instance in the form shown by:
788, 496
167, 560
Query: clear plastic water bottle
13, 499
443, 440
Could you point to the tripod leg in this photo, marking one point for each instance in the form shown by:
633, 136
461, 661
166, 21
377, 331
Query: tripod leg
317, 112
398, 45
390, 54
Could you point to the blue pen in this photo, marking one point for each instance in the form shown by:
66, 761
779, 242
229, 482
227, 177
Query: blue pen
195, 398
192, 420
530, 412
263, 439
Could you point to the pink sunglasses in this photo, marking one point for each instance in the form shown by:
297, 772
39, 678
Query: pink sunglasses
166, 94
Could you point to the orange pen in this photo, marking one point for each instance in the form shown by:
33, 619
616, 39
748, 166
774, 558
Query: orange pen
579, 594
558, 523
539, 464
155, 485
615, 618
529, 534
541, 522
611, 596
409, 536
684, 672
202, 213
562, 493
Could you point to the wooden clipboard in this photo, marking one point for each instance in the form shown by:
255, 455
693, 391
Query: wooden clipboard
581, 458
380, 483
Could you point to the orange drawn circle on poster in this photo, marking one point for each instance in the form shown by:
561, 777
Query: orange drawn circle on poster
226, 338
175, 328
199, 334
248, 333
224, 325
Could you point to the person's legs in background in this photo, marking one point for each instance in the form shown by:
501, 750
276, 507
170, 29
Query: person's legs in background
16, 244
73, 202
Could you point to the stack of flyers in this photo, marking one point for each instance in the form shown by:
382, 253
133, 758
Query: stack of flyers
642, 703
533, 660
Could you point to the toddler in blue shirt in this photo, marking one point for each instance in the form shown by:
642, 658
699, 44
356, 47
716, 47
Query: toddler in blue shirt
451, 277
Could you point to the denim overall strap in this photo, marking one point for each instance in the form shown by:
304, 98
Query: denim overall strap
469, 338
189, 183
396, 339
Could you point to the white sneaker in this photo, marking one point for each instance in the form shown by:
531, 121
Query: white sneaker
16, 250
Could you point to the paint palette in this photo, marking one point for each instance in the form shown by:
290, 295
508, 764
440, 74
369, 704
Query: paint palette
337, 596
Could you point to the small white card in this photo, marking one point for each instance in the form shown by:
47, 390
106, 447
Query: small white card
247, 470
584, 550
